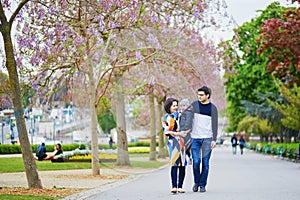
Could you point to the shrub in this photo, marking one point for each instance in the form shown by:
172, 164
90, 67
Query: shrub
10, 149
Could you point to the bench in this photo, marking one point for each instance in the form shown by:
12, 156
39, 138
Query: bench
295, 155
289, 153
258, 148
283, 152
272, 150
279, 148
248, 145
266, 149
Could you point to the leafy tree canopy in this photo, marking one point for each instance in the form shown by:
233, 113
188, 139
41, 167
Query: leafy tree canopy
280, 42
290, 110
245, 71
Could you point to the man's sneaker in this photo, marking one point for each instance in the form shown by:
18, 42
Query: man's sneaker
202, 189
195, 188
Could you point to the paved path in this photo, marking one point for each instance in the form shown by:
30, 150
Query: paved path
249, 176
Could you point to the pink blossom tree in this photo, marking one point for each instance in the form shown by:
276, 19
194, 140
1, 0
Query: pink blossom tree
62, 38
181, 67
6, 24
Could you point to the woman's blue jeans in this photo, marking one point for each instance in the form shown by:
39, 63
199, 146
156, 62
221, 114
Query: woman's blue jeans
201, 152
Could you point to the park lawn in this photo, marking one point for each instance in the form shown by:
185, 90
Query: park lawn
28, 197
16, 165
36, 194
8, 165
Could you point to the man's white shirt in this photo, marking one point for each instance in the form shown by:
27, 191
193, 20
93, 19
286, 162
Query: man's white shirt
201, 126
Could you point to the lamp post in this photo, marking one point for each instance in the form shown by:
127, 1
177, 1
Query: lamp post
2, 124
31, 129
12, 135
54, 126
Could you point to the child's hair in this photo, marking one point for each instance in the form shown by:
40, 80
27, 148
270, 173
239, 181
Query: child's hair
184, 102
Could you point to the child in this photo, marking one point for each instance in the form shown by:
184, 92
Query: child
185, 123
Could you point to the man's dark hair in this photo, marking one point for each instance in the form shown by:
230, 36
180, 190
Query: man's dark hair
169, 103
206, 90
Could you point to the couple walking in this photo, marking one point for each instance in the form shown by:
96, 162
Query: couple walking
194, 128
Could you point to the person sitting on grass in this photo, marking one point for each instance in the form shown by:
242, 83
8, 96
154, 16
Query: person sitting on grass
40, 152
56, 155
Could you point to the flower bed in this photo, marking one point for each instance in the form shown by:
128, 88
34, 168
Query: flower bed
86, 156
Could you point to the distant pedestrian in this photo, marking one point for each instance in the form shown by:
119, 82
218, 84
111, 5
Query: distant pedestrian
204, 136
56, 155
111, 142
41, 152
234, 143
12, 134
241, 144
170, 127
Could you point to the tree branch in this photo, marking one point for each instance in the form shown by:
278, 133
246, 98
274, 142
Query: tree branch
20, 6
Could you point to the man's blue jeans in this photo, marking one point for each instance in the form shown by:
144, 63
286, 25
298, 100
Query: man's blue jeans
201, 152
234, 150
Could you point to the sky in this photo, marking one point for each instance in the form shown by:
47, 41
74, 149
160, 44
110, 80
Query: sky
242, 11
245, 10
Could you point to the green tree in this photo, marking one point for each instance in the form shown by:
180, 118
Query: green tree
279, 42
291, 110
245, 71
105, 117
254, 125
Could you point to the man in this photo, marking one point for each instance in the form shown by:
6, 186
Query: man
41, 152
234, 143
204, 136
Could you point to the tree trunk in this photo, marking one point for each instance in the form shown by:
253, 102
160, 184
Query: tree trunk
94, 134
31, 171
123, 156
152, 155
161, 142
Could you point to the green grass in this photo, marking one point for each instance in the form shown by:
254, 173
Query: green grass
16, 165
8, 165
27, 197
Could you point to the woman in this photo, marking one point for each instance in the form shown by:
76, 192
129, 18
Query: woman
56, 155
242, 144
170, 126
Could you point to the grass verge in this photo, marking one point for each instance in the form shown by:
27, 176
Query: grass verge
10, 165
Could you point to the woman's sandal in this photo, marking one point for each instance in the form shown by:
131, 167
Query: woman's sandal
174, 190
180, 190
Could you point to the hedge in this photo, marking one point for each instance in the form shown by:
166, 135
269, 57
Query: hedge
16, 149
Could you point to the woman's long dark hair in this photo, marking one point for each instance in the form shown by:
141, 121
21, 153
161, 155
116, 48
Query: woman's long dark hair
169, 103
